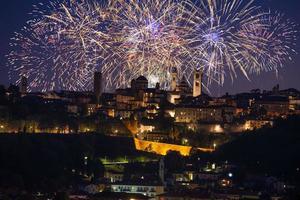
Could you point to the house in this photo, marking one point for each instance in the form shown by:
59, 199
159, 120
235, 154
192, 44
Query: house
146, 189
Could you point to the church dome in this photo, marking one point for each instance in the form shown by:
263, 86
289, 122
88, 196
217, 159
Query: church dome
142, 78
140, 83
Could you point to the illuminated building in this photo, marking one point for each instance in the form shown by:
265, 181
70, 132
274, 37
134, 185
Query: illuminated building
178, 89
273, 105
173, 97
125, 99
114, 177
156, 136
152, 111
189, 114
90, 109
72, 109
294, 104
182, 90
150, 190
257, 124
124, 113
144, 128
139, 95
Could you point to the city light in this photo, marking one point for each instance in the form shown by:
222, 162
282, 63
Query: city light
185, 141
218, 129
213, 166
215, 146
85, 160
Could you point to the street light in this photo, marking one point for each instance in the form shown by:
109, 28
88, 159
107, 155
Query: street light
185, 141
213, 166
85, 160
215, 145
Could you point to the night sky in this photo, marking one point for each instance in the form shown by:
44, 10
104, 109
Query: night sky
13, 15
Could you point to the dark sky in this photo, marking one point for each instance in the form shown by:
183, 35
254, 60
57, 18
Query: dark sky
13, 15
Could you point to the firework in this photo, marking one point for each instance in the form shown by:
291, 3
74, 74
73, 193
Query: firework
269, 43
148, 40
60, 47
227, 36
67, 42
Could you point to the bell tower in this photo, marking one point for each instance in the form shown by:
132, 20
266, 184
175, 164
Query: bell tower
23, 85
197, 87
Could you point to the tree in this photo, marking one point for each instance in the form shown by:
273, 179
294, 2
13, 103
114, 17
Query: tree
61, 196
96, 169
14, 93
3, 99
174, 162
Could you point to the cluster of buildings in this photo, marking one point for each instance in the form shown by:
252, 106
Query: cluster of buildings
192, 109
143, 111
185, 105
190, 106
196, 180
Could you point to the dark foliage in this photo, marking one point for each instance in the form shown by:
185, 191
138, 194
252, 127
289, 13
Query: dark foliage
273, 151
51, 162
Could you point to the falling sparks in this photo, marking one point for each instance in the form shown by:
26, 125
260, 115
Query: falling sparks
60, 49
66, 42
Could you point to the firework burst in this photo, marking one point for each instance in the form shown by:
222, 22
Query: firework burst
213, 36
269, 42
67, 42
148, 41
61, 47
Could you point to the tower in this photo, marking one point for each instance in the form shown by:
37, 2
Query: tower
197, 87
133, 85
23, 85
98, 85
157, 86
141, 83
161, 170
174, 79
